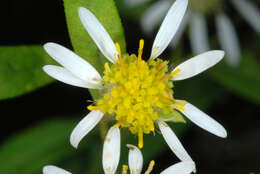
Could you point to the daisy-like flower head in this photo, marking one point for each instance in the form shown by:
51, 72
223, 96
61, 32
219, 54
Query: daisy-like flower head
196, 19
135, 162
138, 94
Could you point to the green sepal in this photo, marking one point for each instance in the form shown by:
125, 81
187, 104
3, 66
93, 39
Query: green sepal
174, 116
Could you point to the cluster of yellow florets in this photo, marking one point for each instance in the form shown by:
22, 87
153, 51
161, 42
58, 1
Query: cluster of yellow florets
135, 92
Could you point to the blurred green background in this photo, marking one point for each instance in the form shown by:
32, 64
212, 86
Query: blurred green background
39, 113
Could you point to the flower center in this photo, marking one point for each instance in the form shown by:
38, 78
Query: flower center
136, 92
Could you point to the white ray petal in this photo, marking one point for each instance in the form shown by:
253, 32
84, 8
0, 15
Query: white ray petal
135, 159
154, 15
53, 170
181, 29
173, 142
198, 64
228, 39
204, 121
169, 27
99, 34
65, 76
72, 62
249, 11
111, 150
198, 33
84, 127
185, 167
133, 3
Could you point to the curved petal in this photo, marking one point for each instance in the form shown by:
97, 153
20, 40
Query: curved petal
135, 159
98, 34
185, 167
204, 121
72, 62
181, 29
111, 150
249, 11
198, 33
173, 142
169, 27
228, 39
54, 170
154, 15
84, 127
198, 64
65, 76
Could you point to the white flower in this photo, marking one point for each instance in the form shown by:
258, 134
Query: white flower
137, 86
227, 35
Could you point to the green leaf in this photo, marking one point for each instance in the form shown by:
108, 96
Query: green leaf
28, 151
174, 116
243, 80
21, 70
82, 43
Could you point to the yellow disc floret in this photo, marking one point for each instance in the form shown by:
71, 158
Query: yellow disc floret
136, 91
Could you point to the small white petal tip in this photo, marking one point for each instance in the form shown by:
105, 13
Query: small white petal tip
53, 170
135, 159
185, 167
